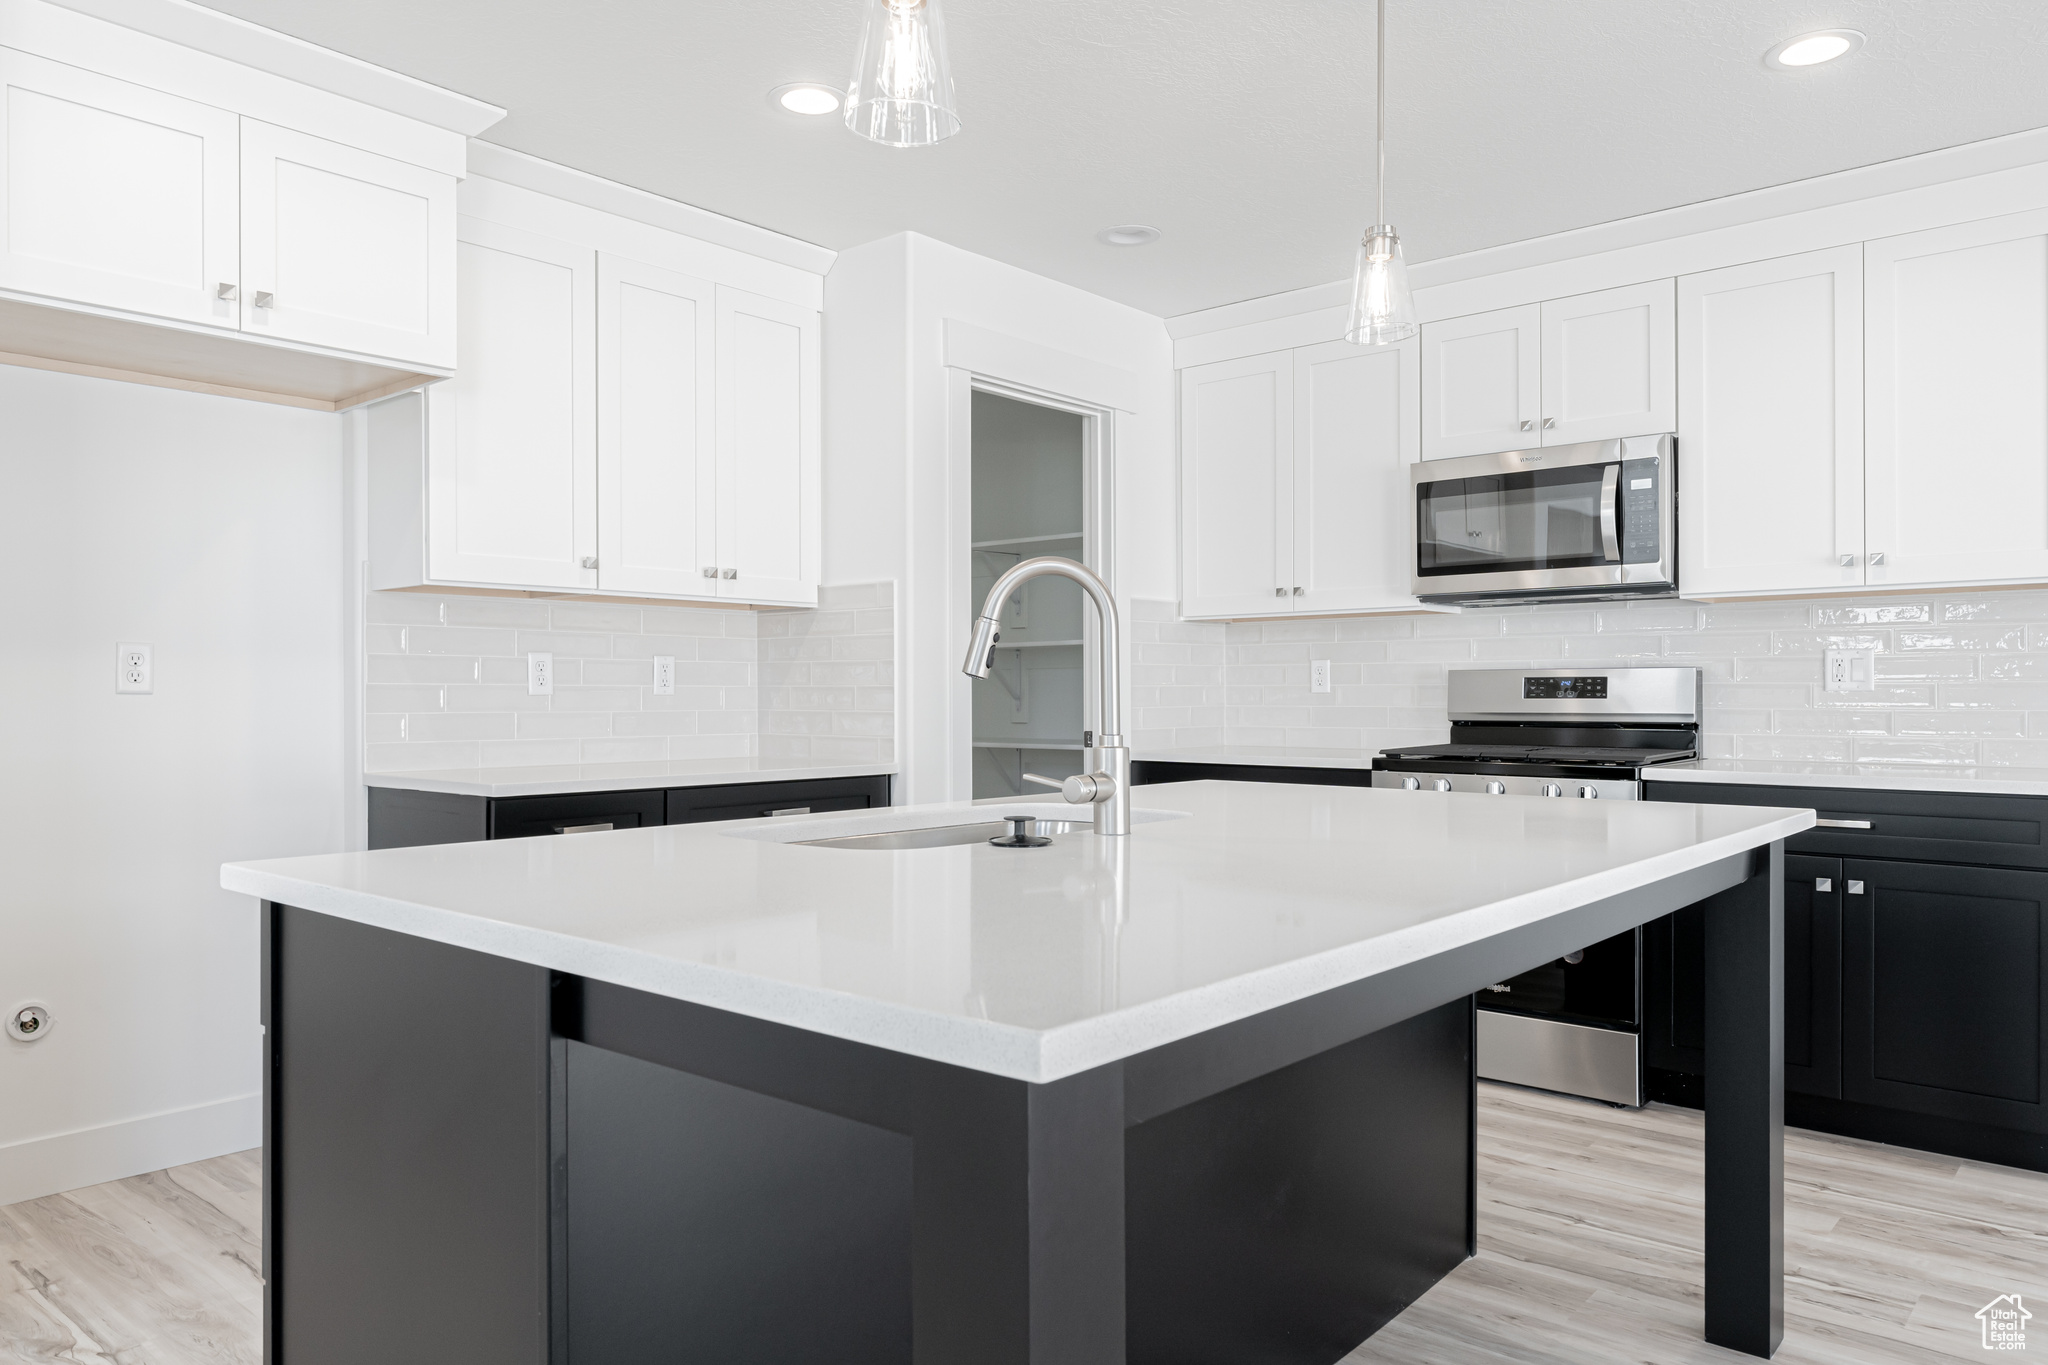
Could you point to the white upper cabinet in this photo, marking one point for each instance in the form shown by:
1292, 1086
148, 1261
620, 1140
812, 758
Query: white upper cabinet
1592, 367
512, 439
1482, 381
769, 443
1357, 429
116, 195
1770, 435
346, 249
656, 430
1236, 494
1608, 368
1957, 465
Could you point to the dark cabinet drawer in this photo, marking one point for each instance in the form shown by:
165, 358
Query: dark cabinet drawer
1675, 988
753, 800
1945, 991
519, 817
1933, 827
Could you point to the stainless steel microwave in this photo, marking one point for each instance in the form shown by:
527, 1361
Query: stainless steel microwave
1594, 521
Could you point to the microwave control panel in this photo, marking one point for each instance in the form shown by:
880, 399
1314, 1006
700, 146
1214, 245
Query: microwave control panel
1639, 511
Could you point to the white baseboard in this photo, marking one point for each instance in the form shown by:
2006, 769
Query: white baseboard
115, 1151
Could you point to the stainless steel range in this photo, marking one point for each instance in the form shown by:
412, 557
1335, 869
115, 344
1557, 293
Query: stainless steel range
1573, 1025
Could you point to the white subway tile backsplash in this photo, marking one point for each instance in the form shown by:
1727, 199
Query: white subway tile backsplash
1961, 678
446, 681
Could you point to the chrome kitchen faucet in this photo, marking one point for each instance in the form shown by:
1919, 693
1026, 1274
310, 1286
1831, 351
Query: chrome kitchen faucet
1108, 788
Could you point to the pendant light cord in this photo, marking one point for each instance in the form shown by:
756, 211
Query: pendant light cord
1380, 121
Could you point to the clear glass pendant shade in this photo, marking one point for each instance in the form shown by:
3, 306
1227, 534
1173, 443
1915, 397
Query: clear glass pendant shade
1382, 309
902, 90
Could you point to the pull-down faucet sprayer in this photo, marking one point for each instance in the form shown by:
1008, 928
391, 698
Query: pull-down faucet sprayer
1108, 787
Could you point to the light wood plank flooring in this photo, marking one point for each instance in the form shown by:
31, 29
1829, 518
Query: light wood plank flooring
1589, 1254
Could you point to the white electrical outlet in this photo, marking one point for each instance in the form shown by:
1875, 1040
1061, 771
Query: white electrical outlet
134, 668
1849, 670
540, 675
1319, 676
664, 675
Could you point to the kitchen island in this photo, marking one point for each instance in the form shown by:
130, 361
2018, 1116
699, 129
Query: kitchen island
1198, 1093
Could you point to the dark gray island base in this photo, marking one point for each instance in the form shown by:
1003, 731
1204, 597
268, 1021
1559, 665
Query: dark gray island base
472, 1159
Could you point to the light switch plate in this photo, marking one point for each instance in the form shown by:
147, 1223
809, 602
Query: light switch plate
134, 668
1849, 670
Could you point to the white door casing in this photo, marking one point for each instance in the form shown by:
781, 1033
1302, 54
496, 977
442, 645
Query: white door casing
512, 439
1957, 402
352, 250
1770, 438
657, 431
1357, 430
1482, 383
1608, 367
1237, 497
116, 195
769, 443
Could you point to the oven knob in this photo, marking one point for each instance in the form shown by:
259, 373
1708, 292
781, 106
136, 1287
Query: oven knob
1590, 792
1442, 784
1552, 789
1411, 784
1496, 788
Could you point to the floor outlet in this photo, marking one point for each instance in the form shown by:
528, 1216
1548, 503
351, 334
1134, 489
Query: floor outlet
1849, 670
134, 668
664, 675
540, 675
1319, 676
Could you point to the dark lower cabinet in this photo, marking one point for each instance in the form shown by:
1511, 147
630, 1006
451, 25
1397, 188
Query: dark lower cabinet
401, 818
1943, 1005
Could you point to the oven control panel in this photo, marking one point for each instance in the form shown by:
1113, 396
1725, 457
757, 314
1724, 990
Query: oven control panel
1498, 784
1576, 688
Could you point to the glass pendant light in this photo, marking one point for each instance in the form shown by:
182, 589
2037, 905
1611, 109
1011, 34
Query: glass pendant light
902, 91
1382, 309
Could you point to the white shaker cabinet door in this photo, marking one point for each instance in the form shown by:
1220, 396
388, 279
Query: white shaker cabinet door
1608, 368
346, 249
116, 195
1957, 460
1481, 383
512, 438
769, 442
657, 434
1236, 486
1770, 435
1357, 429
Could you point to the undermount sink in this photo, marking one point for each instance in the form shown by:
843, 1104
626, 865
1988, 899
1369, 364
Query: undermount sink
941, 836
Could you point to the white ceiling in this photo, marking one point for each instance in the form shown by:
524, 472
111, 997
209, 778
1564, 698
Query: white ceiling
1241, 130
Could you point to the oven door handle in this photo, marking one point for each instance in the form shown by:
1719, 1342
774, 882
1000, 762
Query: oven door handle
1610, 512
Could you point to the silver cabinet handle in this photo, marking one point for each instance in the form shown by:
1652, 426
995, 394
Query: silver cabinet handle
590, 561
264, 298
792, 810
583, 829
1842, 824
731, 573
1528, 425
1297, 592
1855, 888
1610, 512
1848, 561
1549, 422
1877, 559
1279, 592
710, 571
226, 293
1823, 883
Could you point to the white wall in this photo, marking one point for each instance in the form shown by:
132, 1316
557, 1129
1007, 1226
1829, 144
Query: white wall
209, 528
896, 474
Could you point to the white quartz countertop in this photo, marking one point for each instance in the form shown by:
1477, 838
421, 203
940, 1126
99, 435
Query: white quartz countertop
1227, 899
1925, 777
556, 779
1260, 755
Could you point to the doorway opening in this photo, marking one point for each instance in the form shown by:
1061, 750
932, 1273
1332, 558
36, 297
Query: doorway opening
1030, 489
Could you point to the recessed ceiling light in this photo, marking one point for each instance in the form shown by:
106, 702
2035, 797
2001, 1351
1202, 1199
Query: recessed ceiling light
1811, 49
1129, 234
806, 97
